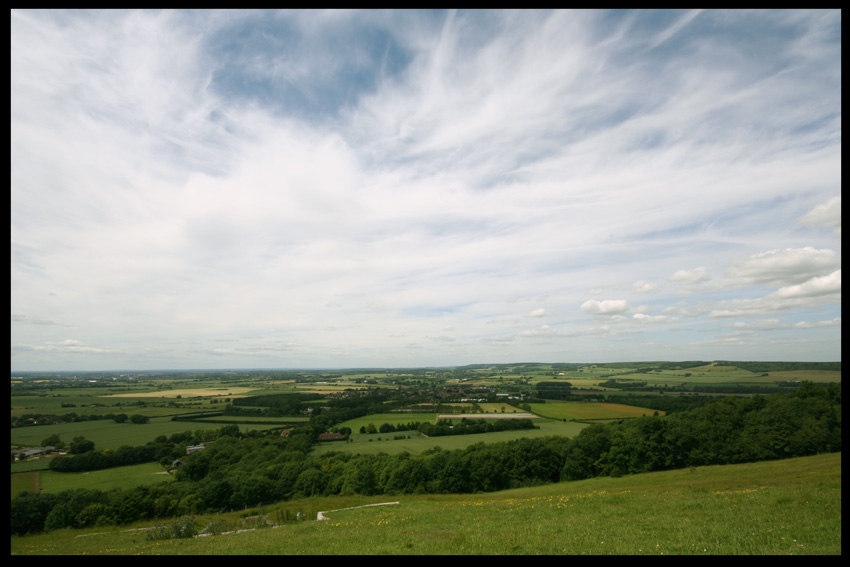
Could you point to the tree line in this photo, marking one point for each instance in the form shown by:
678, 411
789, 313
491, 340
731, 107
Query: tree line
35, 419
83, 456
234, 473
471, 426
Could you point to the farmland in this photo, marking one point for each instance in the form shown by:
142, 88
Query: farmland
188, 392
587, 411
262, 431
50, 481
166, 398
415, 443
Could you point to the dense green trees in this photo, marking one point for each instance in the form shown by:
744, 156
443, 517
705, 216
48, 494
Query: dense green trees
163, 449
471, 426
29, 510
80, 444
727, 430
53, 441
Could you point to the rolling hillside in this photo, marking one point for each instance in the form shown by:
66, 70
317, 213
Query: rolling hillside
790, 507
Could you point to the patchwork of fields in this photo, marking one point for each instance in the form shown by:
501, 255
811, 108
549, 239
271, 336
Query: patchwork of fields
162, 400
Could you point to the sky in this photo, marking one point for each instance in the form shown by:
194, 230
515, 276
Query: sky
349, 189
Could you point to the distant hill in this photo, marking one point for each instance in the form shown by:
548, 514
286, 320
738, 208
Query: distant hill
754, 366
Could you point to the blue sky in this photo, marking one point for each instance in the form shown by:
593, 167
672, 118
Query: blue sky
231, 189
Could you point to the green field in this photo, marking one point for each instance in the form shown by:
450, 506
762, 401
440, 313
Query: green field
119, 477
107, 434
25, 481
713, 374
213, 422
384, 442
790, 507
392, 418
582, 410
86, 406
831, 376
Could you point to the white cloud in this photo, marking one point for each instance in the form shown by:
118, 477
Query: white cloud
30, 320
690, 277
645, 287
762, 325
777, 268
183, 178
67, 346
543, 331
815, 287
829, 323
653, 318
808, 295
605, 307
827, 215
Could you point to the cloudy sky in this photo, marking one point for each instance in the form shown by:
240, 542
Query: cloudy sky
227, 189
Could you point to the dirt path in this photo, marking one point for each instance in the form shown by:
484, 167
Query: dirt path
321, 515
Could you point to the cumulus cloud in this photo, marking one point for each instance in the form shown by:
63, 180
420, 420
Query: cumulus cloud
827, 215
605, 307
813, 293
828, 323
781, 267
815, 287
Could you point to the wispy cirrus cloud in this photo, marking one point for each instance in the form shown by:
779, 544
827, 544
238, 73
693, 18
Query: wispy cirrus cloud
30, 320
349, 185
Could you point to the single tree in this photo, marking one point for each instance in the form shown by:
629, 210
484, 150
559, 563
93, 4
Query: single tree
51, 441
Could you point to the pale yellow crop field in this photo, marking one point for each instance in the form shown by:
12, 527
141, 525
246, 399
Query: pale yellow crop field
187, 393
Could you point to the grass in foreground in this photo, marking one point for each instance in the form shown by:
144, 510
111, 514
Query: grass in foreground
774, 508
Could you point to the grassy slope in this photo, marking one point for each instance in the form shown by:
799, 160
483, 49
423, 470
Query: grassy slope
775, 508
